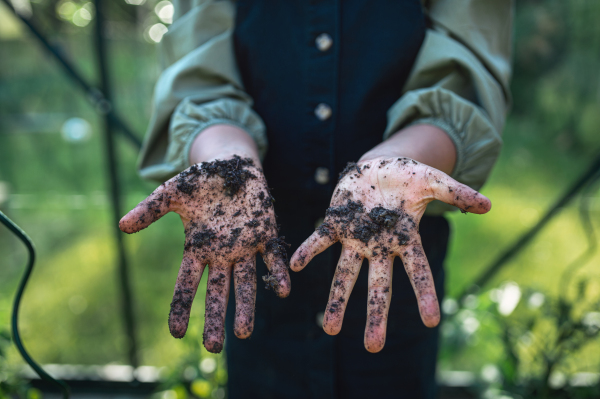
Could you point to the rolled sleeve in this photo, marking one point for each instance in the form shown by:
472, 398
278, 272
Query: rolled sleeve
200, 86
459, 82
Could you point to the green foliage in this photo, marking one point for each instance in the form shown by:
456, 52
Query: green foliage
11, 385
198, 373
542, 343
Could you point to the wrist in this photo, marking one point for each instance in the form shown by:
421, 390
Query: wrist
223, 141
427, 144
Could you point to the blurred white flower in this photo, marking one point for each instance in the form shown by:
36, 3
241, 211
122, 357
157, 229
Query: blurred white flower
495, 295
509, 298
584, 379
536, 300
557, 380
470, 325
491, 374
170, 394
591, 321
208, 365
470, 302
190, 373
450, 306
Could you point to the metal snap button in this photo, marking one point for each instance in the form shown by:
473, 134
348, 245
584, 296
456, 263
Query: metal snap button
323, 111
324, 42
322, 175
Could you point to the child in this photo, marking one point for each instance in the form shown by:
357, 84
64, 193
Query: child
321, 83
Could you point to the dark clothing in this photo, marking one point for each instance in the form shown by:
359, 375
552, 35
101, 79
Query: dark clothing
359, 77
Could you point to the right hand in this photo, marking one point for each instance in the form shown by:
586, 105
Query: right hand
375, 213
228, 215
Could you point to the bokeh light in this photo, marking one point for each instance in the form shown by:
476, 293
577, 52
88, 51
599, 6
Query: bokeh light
77, 13
76, 130
155, 33
165, 10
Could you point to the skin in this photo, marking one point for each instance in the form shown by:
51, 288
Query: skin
375, 213
225, 228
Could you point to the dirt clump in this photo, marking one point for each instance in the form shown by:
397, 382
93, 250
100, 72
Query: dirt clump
233, 172
201, 238
352, 220
233, 237
277, 246
325, 229
270, 282
384, 217
350, 167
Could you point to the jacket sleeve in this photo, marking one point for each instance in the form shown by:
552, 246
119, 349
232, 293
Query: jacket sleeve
460, 82
199, 86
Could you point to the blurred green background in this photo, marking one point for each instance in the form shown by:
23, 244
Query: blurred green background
53, 183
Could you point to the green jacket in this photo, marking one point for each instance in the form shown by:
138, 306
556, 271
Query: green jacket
459, 83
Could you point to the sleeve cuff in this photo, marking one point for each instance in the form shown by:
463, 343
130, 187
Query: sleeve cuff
476, 140
190, 119
451, 132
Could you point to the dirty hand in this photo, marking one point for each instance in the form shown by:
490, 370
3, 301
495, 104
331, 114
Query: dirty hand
375, 213
228, 215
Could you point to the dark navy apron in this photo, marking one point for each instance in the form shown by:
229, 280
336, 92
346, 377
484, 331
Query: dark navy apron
323, 74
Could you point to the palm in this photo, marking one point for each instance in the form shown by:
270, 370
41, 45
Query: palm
375, 213
228, 217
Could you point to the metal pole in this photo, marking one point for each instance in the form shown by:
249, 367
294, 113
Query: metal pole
21, 235
522, 242
96, 97
113, 176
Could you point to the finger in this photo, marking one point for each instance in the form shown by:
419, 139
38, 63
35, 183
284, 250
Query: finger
319, 241
188, 278
378, 305
217, 294
419, 274
147, 212
341, 288
244, 279
450, 191
275, 257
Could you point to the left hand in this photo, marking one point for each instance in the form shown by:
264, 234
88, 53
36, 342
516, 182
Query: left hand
375, 213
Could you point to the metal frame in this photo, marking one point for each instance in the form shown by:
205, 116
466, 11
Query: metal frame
101, 100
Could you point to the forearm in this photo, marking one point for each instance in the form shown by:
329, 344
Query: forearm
222, 142
424, 143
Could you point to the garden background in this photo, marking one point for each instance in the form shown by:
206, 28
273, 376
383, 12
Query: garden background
532, 330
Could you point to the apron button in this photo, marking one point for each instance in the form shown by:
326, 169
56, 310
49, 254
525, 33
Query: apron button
323, 42
323, 112
322, 175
